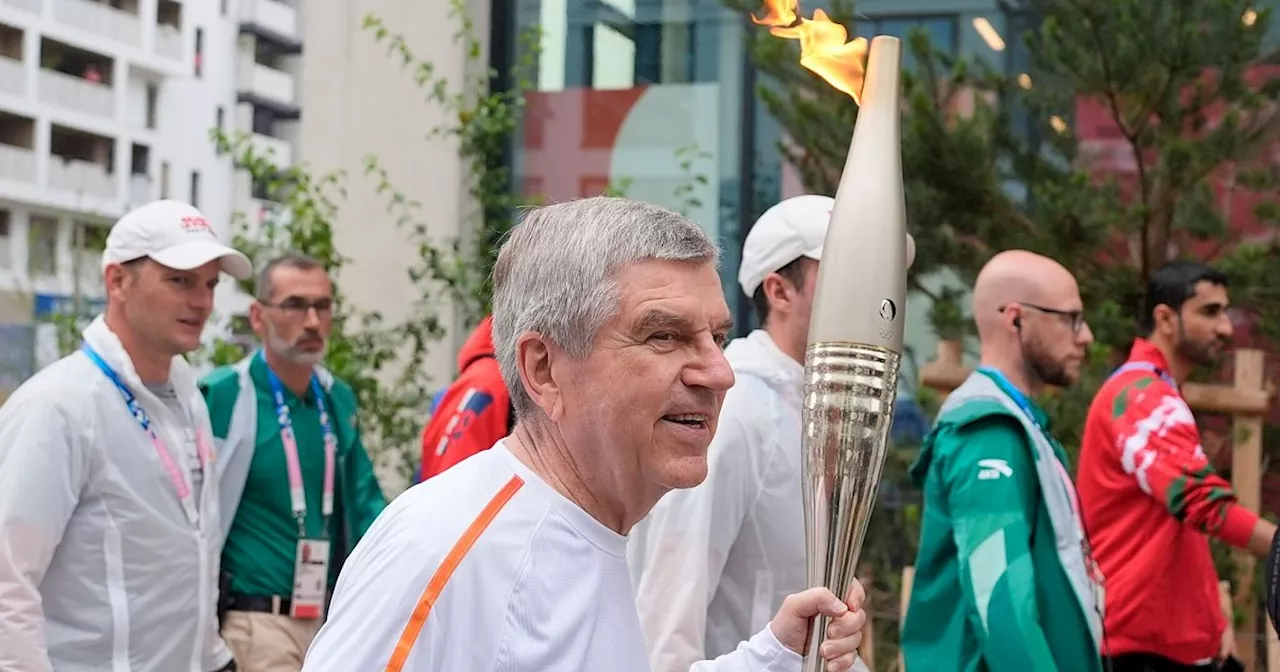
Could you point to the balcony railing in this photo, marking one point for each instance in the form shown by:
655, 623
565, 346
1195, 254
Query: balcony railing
272, 16
169, 42
17, 164
13, 77
100, 19
139, 190
76, 93
275, 150
82, 177
32, 6
267, 83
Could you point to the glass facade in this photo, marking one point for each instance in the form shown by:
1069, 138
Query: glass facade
648, 98
655, 99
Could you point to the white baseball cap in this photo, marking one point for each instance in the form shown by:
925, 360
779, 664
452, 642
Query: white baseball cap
789, 230
173, 234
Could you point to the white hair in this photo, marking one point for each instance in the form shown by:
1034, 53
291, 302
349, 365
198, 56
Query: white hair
555, 274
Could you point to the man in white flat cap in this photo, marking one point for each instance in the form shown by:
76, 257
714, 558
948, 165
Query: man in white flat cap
108, 507
711, 564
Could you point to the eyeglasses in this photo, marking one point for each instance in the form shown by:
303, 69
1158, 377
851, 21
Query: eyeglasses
1075, 318
298, 307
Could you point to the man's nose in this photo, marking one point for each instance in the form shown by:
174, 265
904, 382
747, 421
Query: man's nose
311, 318
1085, 337
202, 299
1225, 328
712, 371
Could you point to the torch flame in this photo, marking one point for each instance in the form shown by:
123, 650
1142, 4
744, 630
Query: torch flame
823, 49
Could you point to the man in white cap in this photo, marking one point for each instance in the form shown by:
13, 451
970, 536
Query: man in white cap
711, 564
108, 507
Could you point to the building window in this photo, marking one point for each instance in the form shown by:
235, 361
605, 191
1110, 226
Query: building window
140, 160
635, 97
164, 179
153, 96
195, 188
223, 10
42, 246
199, 52
941, 30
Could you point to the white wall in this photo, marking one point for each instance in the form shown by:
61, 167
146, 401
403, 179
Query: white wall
358, 100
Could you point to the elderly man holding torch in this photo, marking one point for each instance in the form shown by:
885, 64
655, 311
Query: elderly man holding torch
710, 564
608, 321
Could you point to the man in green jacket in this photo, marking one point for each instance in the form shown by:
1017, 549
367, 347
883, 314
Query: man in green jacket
1004, 579
297, 488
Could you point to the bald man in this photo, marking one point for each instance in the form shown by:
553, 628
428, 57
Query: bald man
1004, 580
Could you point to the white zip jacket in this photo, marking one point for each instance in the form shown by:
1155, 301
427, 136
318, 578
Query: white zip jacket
100, 568
711, 565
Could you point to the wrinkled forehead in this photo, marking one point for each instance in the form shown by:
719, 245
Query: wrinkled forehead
654, 293
286, 280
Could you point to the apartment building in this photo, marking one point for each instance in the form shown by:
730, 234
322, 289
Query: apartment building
108, 104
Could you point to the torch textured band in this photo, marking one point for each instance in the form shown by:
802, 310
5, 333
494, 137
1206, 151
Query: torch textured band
849, 393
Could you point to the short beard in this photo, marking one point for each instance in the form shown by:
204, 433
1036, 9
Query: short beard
291, 352
1047, 370
1197, 352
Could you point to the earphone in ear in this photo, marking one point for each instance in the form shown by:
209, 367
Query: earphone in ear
1017, 322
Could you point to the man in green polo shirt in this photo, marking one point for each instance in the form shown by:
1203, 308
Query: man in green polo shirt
297, 488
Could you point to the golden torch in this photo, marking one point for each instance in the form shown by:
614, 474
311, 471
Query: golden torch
855, 338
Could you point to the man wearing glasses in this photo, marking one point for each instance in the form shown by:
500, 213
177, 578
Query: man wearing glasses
1150, 496
298, 489
1004, 579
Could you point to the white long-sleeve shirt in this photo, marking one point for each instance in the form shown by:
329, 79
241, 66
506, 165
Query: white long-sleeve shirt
486, 568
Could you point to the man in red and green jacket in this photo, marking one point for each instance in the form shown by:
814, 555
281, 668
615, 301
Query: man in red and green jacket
1147, 490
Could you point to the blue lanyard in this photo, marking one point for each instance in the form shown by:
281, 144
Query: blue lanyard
167, 460
1147, 366
289, 441
1014, 393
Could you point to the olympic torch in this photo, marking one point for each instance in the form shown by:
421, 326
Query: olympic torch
855, 335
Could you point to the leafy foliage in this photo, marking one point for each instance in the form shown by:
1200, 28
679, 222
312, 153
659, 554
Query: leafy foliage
383, 361
485, 120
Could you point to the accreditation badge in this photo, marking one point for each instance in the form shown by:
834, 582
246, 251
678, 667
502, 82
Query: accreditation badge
310, 579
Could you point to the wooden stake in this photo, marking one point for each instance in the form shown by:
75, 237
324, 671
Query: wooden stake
1246, 480
908, 578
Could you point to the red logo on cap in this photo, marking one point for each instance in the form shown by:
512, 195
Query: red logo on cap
193, 224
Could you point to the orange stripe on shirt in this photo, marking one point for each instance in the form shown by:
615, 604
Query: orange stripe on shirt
438, 580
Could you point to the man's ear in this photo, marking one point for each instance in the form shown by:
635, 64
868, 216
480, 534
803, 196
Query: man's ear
115, 279
256, 318
534, 359
1165, 318
777, 291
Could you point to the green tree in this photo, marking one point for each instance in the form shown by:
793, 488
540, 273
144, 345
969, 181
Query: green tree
1178, 80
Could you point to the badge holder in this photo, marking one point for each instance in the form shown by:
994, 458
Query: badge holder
310, 577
